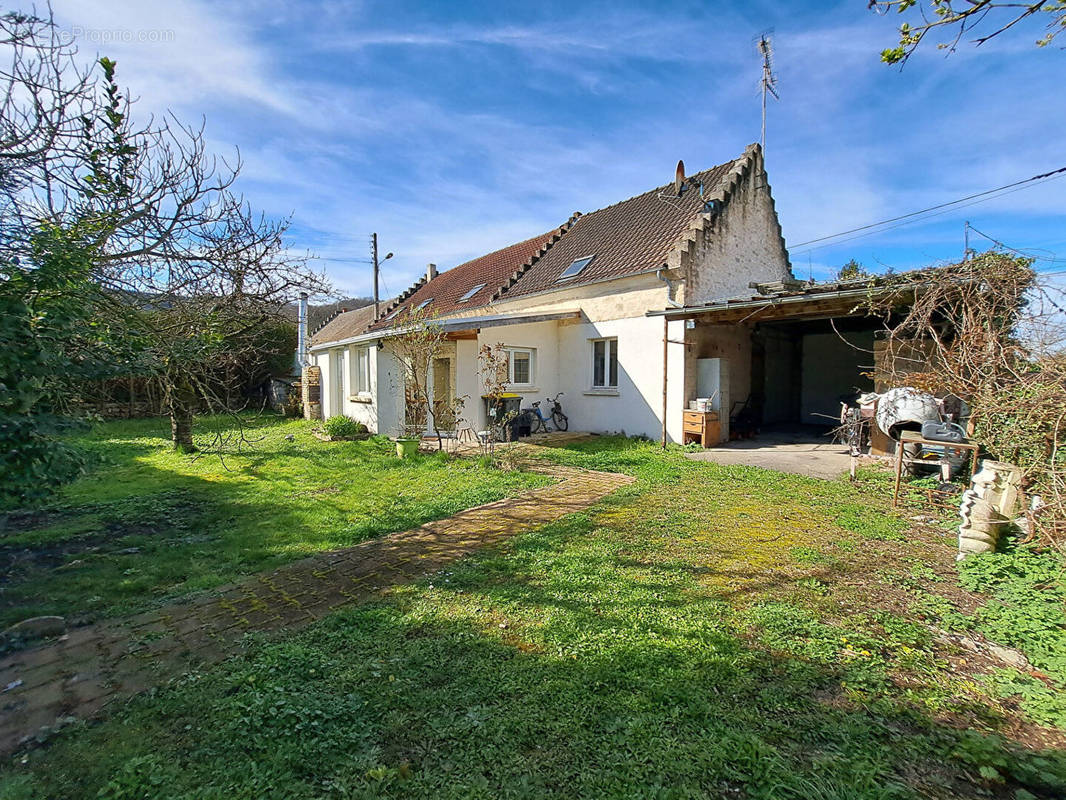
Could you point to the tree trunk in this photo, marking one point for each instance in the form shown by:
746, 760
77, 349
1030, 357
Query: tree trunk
182, 399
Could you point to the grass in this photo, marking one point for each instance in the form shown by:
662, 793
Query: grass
148, 524
705, 632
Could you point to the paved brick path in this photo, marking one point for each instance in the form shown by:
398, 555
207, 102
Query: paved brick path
95, 665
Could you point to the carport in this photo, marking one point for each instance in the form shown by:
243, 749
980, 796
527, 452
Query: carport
784, 359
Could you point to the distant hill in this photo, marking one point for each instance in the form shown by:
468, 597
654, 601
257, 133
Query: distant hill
317, 315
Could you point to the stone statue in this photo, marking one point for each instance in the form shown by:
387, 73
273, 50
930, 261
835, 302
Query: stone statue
987, 505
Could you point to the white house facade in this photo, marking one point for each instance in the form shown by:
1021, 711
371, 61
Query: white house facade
576, 308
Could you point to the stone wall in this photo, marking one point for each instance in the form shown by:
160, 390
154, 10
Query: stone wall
311, 392
739, 245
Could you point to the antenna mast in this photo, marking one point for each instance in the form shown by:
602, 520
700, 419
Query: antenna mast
769, 80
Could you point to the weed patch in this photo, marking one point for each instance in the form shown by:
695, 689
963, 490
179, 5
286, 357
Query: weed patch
148, 525
701, 633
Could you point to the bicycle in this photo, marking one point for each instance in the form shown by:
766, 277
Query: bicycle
538, 423
562, 422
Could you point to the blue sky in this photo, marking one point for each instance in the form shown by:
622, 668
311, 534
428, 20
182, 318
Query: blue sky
456, 128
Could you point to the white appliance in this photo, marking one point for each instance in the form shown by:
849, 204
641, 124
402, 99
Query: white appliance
712, 380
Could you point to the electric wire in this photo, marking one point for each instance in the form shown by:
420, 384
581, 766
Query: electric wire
912, 221
1026, 253
951, 205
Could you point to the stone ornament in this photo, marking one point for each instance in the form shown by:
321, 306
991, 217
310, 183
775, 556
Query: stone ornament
987, 506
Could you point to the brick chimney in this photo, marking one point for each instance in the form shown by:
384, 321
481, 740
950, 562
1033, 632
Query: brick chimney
431, 272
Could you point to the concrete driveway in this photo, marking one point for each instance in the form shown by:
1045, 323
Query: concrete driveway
801, 451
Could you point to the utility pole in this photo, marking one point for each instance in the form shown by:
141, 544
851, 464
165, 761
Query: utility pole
769, 80
377, 270
966, 241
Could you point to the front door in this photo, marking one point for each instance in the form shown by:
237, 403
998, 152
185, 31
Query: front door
443, 410
336, 383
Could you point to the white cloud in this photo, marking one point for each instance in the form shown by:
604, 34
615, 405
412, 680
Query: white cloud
598, 108
179, 55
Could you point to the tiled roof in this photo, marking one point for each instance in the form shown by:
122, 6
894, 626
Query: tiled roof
493, 270
344, 326
627, 238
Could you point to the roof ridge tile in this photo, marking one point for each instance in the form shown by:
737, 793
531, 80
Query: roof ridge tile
518, 273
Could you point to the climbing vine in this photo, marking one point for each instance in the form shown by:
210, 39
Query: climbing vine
989, 331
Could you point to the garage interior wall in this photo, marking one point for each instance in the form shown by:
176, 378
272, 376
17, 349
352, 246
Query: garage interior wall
832, 369
782, 373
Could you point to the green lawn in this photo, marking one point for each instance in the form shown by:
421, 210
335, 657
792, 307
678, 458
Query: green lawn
706, 632
148, 524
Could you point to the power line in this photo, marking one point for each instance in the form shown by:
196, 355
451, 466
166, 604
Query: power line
1021, 183
1026, 253
941, 212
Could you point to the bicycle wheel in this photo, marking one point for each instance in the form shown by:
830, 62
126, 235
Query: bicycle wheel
560, 420
536, 423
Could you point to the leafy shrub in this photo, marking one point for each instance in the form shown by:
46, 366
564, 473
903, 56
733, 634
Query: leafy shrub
34, 460
1027, 609
342, 427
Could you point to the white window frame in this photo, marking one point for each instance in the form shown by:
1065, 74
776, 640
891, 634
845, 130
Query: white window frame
532, 352
610, 344
360, 371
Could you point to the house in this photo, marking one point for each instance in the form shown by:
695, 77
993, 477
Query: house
604, 310
342, 324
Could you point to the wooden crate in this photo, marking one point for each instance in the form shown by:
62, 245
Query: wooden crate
701, 426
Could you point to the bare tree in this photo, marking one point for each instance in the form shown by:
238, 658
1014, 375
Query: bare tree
421, 341
493, 367
44, 95
181, 268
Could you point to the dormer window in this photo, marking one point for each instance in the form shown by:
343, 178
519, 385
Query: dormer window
472, 292
575, 268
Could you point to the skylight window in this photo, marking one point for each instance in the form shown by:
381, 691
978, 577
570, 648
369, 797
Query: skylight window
575, 268
393, 314
472, 292
423, 304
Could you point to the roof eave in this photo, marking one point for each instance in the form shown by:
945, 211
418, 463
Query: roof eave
723, 306
455, 324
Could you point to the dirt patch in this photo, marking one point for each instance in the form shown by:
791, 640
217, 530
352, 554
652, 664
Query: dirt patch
18, 559
163, 517
24, 521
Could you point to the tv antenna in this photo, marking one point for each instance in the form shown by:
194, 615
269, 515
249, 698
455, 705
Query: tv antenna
769, 80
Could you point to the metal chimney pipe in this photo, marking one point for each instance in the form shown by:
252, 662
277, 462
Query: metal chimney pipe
301, 333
